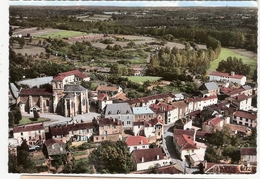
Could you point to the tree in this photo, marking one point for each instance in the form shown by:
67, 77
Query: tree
112, 157
154, 169
233, 64
21, 42
23, 157
82, 167
36, 115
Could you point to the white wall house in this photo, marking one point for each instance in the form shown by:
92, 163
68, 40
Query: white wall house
245, 118
242, 102
248, 155
148, 158
136, 143
229, 77
30, 133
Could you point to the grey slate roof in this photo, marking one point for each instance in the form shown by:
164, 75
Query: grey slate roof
36, 81
117, 108
14, 90
142, 110
68, 96
74, 88
210, 86
246, 87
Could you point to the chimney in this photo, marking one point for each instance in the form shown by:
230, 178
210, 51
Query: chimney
232, 73
142, 159
141, 142
158, 157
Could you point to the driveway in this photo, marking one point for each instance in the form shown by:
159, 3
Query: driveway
58, 119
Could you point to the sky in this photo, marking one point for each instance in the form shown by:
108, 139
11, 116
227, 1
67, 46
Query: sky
134, 3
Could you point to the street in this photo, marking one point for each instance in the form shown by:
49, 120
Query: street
58, 119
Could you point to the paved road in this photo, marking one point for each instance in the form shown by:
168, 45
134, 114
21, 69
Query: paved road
58, 119
170, 150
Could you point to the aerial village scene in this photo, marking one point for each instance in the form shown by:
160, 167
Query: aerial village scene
132, 90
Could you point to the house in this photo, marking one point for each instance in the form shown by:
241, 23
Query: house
120, 111
32, 133
183, 123
248, 90
147, 101
74, 132
230, 92
213, 124
53, 147
103, 100
153, 129
106, 127
38, 99
109, 90
182, 108
69, 77
185, 144
210, 88
145, 158
230, 77
168, 112
248, 119
241, 102
248, 155
136, 143
143, 113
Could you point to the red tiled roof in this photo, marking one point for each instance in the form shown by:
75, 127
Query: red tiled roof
169, 170
245, 114
136, 140
248, 151
149, 98
26, 128
184, 138
241, 97
155, 121
107, 88
61, 76
202, 134
35, 92
231, 91
161, 107
213, 121
109, 121
102, 96
49, 142
147, 154
64, 129
209, 98
194, 113
216, 73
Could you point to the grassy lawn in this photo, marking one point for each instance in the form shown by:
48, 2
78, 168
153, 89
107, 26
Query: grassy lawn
141, 79
61, 34
29, 120
225, 53
79, 153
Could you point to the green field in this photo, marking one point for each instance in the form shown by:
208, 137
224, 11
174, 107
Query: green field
225, 53
61, 34
29, 120
141, 79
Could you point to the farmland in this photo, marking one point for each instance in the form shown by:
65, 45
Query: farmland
141, 79
246, 56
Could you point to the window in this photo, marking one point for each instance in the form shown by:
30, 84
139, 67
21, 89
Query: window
108, 126
128, 122
96, 138
47, 103
143, 147
87, 130
39, 131
21, 134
